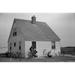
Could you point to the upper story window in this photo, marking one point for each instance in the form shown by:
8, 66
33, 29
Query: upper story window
14, 32
53, 45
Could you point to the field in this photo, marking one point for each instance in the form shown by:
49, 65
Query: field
52, 59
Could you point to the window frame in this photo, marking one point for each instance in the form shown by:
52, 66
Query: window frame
14, 32
10, 46
53, 46
19, 45
14, 44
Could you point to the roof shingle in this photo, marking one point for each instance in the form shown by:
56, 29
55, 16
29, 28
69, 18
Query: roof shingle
39, 31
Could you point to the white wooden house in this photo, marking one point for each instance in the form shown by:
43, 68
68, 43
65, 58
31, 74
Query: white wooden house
26, 32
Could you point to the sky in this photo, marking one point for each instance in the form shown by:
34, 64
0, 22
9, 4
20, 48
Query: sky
63, 24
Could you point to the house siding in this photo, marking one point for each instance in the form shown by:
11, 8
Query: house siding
27, 47
16, 48
42, 48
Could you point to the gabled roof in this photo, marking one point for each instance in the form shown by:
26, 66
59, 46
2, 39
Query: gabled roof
39, 31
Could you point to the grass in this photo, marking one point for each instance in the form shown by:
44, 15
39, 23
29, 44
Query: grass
46, 59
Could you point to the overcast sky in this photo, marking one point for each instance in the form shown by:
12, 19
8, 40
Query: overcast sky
63, 25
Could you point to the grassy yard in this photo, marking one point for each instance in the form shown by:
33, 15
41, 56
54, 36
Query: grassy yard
52, 59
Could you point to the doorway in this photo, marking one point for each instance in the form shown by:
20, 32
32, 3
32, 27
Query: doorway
34, 44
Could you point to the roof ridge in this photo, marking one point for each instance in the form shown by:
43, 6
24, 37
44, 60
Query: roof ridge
28, 20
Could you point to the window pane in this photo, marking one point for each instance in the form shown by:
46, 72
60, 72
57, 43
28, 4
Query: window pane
14, 33
10, 47
14, 44
53, 45
19, 47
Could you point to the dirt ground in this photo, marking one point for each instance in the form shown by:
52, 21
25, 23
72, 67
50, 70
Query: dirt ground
46, 59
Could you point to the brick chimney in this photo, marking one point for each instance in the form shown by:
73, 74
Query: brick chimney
33, 19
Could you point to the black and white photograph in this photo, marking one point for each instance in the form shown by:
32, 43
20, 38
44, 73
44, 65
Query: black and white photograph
37, 37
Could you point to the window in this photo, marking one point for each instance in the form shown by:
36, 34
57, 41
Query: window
10, 47
53, 45
14, 33
19, 47
14, 44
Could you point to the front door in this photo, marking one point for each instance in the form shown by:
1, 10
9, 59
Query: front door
34, 44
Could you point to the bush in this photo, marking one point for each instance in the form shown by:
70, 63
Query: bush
32, 54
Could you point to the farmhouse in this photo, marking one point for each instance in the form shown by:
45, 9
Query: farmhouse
25, 34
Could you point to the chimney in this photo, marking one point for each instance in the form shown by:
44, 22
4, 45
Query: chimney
33, 19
